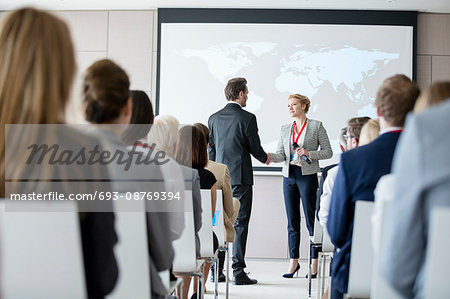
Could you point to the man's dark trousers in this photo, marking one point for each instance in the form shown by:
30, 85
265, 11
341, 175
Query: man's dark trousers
244, 193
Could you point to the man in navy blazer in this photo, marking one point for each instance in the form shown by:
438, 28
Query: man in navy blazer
233, 137
361, 168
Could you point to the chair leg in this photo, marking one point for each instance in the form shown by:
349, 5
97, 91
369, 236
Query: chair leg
216, 278
319, 275
227, 257
324, 262
309, 271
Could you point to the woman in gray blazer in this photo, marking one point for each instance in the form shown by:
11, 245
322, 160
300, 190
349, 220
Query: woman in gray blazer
298, 149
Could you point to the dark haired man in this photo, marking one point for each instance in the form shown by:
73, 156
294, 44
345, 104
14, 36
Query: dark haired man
361, 168
233, 137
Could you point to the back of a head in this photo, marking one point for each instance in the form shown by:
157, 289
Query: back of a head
369, 132
141, 117
37, 67
355, 124
204, 130
342, 140
234, 87
105, 91
433, 95
191, 147
164, 133
395, 98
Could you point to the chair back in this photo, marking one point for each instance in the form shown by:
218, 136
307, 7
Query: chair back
318, 232
132, 253
206, 232
361, 260
40, 250
185, 257
327, 245
436, 284
218, 224
380, 289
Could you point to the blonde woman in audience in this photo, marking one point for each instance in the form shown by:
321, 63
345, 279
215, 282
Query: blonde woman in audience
369, 132
37, 69
107, 103
163, 135
433, 95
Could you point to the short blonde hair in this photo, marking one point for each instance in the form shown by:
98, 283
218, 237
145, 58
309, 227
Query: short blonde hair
303, 100
433, 95
369, 132
164, 134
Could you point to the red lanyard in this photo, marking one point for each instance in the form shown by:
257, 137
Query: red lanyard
144, 145
299, 134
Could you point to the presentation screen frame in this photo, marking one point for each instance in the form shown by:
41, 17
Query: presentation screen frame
284, 16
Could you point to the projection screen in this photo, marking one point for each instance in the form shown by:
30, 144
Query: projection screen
336, 58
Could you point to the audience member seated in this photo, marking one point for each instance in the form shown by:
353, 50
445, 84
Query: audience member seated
191, 150
422, 184
38, 66
107, 103
135, 137
361, 168
163, 136
369, 132
324, 171
231, 204
351, 136
433, 95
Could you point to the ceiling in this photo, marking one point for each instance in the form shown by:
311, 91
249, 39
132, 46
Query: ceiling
437, 6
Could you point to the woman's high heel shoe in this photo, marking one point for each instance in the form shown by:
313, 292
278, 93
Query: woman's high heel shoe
290, 275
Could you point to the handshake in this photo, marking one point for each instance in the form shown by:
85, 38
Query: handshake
269, 159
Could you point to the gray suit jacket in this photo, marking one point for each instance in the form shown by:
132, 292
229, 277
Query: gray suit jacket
315, 135
234, 136
422, 184
158, 224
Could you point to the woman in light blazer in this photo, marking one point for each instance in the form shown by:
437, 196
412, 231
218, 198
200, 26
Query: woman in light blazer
298, 149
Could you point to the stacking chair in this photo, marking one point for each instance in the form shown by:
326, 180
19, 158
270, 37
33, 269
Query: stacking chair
380, 289
131, 252
323, 263
437, 263
360, 276
206, 232
219, 229
185, 261
41, 253
315, 241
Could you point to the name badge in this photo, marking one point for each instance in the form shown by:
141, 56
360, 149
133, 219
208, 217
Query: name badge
294, 156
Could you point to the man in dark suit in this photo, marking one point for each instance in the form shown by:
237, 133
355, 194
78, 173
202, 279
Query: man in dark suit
233, 137
361, 168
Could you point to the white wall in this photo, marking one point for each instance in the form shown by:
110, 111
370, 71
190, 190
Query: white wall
129, 38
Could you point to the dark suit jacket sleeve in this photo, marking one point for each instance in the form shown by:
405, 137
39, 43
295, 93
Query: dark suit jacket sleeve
340, 215
254, 142
212, 146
